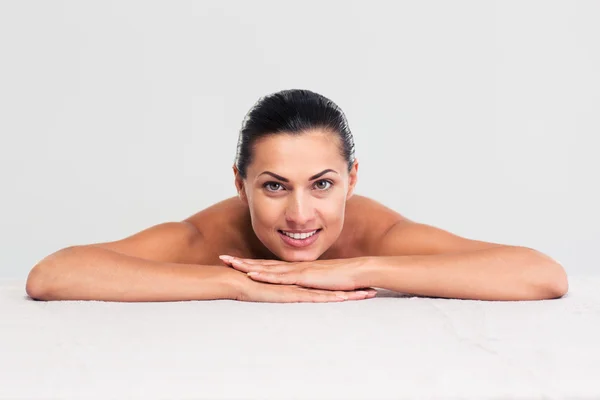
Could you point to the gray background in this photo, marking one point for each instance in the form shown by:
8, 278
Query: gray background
477, 117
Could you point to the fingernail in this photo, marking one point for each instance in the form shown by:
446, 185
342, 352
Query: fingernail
342, 296
362, 292
224, 257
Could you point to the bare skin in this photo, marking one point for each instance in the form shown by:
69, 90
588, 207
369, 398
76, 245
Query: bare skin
291, 185
226, 229
294, 182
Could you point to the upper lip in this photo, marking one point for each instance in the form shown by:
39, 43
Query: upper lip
299, 231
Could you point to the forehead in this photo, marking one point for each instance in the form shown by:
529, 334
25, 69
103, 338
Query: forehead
313, 146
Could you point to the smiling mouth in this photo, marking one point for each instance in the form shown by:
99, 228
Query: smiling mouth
299, 240
297, 235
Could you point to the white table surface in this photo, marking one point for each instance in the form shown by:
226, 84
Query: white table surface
390, 347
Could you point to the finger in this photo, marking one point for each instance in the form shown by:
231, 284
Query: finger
365, 288
346, 295
238, 265
272, 277
371, 291
327, 298
269, 265
262, 262
242, 266
247, 266
297, 294
276, 268
322, 296
227, 261
229, 264
356, 294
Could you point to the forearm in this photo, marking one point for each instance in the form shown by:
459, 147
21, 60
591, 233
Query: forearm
507, 273
92, 273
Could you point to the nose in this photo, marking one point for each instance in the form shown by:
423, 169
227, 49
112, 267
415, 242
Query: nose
299, 211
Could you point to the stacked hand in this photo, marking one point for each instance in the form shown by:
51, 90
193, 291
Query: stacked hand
304, 281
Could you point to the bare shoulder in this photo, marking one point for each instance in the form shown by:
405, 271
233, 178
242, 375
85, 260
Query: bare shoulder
359, 206
372, 216
387, 232
223, 227
223, 213
366, 221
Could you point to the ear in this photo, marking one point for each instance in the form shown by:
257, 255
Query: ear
239, 185
352, 179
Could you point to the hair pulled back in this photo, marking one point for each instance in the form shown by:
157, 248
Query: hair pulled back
294, 112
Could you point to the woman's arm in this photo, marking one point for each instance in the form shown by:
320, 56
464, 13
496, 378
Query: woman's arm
498, 273
159, 263
96, 273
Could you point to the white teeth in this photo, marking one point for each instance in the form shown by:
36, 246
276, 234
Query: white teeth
299, 235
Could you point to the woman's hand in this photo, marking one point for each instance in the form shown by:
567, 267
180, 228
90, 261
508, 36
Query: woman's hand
338, 274
269, 293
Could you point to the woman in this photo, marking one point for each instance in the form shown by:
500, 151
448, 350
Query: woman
296, 232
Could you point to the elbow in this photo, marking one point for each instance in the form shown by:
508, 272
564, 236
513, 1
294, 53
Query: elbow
42, 275
39, 281
35, 283
547, 277
559, 286
555, 283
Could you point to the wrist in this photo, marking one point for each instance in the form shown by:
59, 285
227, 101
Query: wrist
238, 284
228, 282
371, 271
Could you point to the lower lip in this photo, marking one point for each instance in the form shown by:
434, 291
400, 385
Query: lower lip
299, 242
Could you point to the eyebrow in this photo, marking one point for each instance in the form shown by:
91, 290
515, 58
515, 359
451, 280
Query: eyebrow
281, 178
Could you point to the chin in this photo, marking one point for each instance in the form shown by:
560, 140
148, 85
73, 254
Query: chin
289, 253
299, 258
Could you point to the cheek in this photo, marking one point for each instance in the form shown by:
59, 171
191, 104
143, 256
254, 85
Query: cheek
264, 212
332, 216
333, 207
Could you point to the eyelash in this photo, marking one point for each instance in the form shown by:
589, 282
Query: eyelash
266, 184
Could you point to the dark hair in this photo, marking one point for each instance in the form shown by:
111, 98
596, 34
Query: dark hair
293, 111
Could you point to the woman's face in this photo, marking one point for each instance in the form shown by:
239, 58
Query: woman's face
297, 183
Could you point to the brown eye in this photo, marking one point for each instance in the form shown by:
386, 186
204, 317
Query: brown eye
323, 187
270, 185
